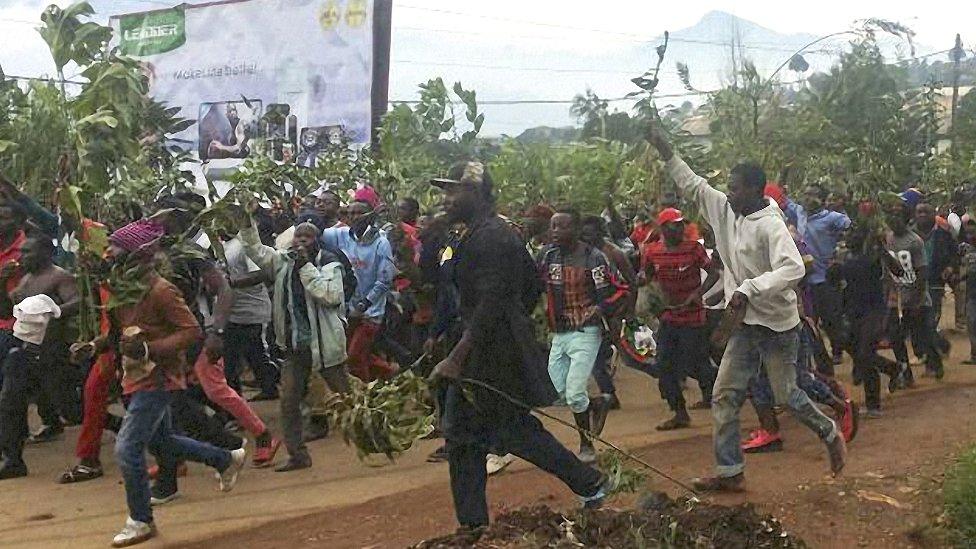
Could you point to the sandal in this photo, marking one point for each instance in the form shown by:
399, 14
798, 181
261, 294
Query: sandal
80, 473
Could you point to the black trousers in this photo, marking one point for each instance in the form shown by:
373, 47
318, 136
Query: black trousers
866, 331
682, 352
245, 343
828, 308
914, 324
19, 370
472, 432
601, 369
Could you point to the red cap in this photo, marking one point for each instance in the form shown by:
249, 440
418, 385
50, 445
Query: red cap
669, 215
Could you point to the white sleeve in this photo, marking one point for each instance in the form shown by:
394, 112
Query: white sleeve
694, 187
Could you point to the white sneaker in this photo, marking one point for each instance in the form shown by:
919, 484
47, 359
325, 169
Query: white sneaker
134, 532
496, 464
228, 478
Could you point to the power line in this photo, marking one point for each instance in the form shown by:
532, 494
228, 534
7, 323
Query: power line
42, 79
636, 37
631, 40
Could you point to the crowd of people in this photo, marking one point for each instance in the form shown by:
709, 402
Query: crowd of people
756, 297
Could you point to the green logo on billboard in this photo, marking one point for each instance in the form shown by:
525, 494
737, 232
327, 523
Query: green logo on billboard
153, 32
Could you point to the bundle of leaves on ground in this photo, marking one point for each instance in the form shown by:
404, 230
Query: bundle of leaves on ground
659, 522
383, 417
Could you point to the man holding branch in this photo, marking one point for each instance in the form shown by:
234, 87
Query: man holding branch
762, 267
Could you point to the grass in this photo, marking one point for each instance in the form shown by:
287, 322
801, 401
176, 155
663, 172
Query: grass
960, 499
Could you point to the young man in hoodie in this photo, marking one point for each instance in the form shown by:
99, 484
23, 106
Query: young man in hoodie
763, 267
308, 314
371, 256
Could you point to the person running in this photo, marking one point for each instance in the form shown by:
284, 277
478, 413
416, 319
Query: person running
12, 240
581, 294
908, 298
821, 230
942, 256
864, 304
371, 256
244, 335
967, 251
594, 233
308, 317
498, 286
762, 267
675, 264
45, 292
154, 334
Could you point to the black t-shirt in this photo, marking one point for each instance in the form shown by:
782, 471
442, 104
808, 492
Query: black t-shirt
864, 292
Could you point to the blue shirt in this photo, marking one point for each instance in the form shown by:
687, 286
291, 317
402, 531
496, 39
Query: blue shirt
821, 231
372, 260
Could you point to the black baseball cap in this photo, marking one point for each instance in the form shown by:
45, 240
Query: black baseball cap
469, 172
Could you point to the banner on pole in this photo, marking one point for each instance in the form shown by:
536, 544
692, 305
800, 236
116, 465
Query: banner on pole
271, 76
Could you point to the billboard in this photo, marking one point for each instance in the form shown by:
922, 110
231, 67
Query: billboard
262, 74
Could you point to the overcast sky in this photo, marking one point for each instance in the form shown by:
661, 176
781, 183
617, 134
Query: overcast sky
530, 27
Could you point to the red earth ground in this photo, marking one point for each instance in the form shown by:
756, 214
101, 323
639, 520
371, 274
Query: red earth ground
886, 498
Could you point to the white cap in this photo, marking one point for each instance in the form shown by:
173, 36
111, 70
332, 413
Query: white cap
32, 317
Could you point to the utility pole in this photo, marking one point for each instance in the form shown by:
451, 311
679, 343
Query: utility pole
956, 54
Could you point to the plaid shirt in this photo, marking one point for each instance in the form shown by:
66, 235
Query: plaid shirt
580, 289
678, 272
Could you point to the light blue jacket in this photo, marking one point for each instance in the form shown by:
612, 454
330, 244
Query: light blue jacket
372, 260
323, 297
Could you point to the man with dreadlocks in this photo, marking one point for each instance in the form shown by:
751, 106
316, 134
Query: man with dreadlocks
497, 286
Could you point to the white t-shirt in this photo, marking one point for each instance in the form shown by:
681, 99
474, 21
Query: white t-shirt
251, 305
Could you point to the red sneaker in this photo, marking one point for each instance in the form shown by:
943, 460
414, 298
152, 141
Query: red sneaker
849, 423
153, 471
264, 455
764, 441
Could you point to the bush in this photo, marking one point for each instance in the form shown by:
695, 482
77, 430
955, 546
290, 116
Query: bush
960, 498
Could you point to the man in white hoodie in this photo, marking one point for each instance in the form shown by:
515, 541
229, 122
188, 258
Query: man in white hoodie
762, 266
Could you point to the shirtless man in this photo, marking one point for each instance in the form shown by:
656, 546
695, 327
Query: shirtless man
34, 358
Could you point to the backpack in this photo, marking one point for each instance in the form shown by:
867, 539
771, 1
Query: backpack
348, 274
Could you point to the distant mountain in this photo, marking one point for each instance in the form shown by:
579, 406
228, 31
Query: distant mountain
546, 134
558, 72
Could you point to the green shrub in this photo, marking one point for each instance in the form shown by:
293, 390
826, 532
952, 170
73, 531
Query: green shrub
960, 498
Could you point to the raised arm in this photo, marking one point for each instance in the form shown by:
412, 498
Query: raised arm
713, 202
263, 256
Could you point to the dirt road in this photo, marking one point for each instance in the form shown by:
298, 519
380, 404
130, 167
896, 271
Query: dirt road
341, 503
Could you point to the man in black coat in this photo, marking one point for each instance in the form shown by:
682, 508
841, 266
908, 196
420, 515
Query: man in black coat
498, 286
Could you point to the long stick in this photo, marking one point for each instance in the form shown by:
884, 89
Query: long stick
543, 413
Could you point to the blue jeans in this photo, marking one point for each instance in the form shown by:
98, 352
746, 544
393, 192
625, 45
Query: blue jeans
148, 425
761, 390
571, 360
748, 348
